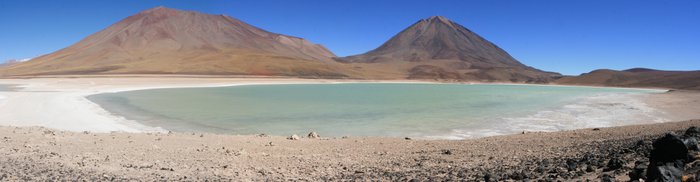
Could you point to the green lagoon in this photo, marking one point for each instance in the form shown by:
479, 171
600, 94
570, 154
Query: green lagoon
451, 111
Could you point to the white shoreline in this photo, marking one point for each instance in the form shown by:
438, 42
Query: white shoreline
46, 102
67, 108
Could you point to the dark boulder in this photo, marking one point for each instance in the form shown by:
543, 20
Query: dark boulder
666, 172
639, 171
692, 132
668, 158
669, 148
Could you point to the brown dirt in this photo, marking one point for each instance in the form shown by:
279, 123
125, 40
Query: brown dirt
44, 154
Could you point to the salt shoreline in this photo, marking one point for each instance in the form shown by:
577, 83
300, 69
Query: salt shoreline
77, 113
64, 99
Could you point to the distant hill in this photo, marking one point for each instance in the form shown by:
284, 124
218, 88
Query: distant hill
163, 40
437, 48
637, 77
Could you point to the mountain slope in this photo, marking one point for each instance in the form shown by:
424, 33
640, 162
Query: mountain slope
162, 40
437, 48
637, 77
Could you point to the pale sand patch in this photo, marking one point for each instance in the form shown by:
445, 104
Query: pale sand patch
676, 105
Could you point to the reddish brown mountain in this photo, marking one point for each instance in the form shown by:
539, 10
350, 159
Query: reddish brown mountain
637, 77
168, 41
162, 40
437, 48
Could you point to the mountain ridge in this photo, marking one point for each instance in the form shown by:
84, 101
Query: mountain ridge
161, 40
164, 40
437, 47
636, 77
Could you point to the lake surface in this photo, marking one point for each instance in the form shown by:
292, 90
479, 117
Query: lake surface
450, 111
7, 87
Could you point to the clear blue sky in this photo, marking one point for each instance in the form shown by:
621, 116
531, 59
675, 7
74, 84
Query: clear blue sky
571, 37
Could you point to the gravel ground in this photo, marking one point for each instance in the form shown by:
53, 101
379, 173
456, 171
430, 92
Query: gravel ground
32, 153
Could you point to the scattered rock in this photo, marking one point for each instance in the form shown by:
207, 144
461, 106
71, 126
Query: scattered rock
590, 168
487, 177
313, 135
639, 171
49, 132
687, 178
407, 138
607, 178
571, 165
614, 164
596, 129
262, 135
692, 132
293, 137
446, 152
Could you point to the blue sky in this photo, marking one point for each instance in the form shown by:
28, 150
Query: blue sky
570, 37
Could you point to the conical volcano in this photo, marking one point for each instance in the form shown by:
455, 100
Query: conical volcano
163, 40
437, 48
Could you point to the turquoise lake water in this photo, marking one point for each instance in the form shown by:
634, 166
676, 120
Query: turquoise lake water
7, 88
374, 109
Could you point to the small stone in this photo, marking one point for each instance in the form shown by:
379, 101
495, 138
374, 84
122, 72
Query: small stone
607, 178
596, 129
446, 152
407, 138
49, 132
639, 171
571, 165
293, 137
590, 168
313, 135
614, 164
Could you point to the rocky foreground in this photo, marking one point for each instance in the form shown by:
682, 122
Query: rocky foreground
608, 154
